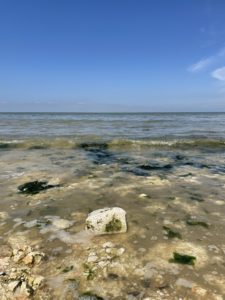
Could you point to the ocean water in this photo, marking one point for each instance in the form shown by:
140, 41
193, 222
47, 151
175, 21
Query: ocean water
167, 170
137, 126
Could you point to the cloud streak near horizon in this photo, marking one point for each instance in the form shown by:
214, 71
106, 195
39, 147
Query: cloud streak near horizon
204, 63
219, 74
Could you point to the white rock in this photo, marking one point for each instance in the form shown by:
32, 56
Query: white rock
111, 245
13, 285
120, 251
107, 221
37, 282
92, 258
61, 223
184, 283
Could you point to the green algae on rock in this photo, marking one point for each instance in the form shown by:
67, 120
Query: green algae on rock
114, 225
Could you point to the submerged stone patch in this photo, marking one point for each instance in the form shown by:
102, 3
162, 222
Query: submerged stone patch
98, 153
171, 233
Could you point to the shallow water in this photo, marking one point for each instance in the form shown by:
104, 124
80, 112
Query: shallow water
166, 170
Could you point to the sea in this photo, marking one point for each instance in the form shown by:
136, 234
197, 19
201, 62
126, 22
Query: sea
166, 170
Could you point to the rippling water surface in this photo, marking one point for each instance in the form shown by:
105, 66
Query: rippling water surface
125, 126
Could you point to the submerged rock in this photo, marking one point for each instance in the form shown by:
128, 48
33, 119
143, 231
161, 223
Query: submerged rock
98, 153
34, 187
107, 221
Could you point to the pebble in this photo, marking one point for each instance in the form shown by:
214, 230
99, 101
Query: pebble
143, 195
108, 245
92, 258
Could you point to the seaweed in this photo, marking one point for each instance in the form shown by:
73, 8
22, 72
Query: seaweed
149, 167
171, 233
192, 222
182, 259
196, 197
113, 276
88, 272
34, 187
67, 269
113, 225
4, 146
93, 146
186, 175
98, 153
90, 296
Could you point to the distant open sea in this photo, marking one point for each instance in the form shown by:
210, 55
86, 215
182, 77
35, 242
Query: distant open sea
152, 128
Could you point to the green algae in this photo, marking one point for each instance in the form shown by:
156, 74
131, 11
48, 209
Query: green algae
67, 269
90, 296
88, 272
182, 259
192, 222
113, 225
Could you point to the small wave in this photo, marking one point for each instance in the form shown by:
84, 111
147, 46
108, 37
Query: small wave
117, 144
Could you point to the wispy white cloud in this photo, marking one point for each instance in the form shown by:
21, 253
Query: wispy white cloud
219, 74
208, 61
201, 64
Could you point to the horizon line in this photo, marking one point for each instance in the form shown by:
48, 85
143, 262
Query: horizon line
107, 112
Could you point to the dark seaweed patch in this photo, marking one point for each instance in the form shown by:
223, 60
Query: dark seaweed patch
192, 222
93, 146
34, 187
98, 153
67, 269
171, 234
186, 175
37, 147
90, 296
179, 157
196, 197
4, 146
182, 259
152, 167
196, 165
113, 276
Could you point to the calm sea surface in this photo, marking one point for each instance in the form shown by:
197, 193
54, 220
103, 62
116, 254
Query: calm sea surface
112, 125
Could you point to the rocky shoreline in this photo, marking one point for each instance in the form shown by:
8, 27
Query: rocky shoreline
111, 226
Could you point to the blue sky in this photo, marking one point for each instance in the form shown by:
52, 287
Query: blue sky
112, 55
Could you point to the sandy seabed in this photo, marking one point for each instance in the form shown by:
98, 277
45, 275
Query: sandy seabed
175, 203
